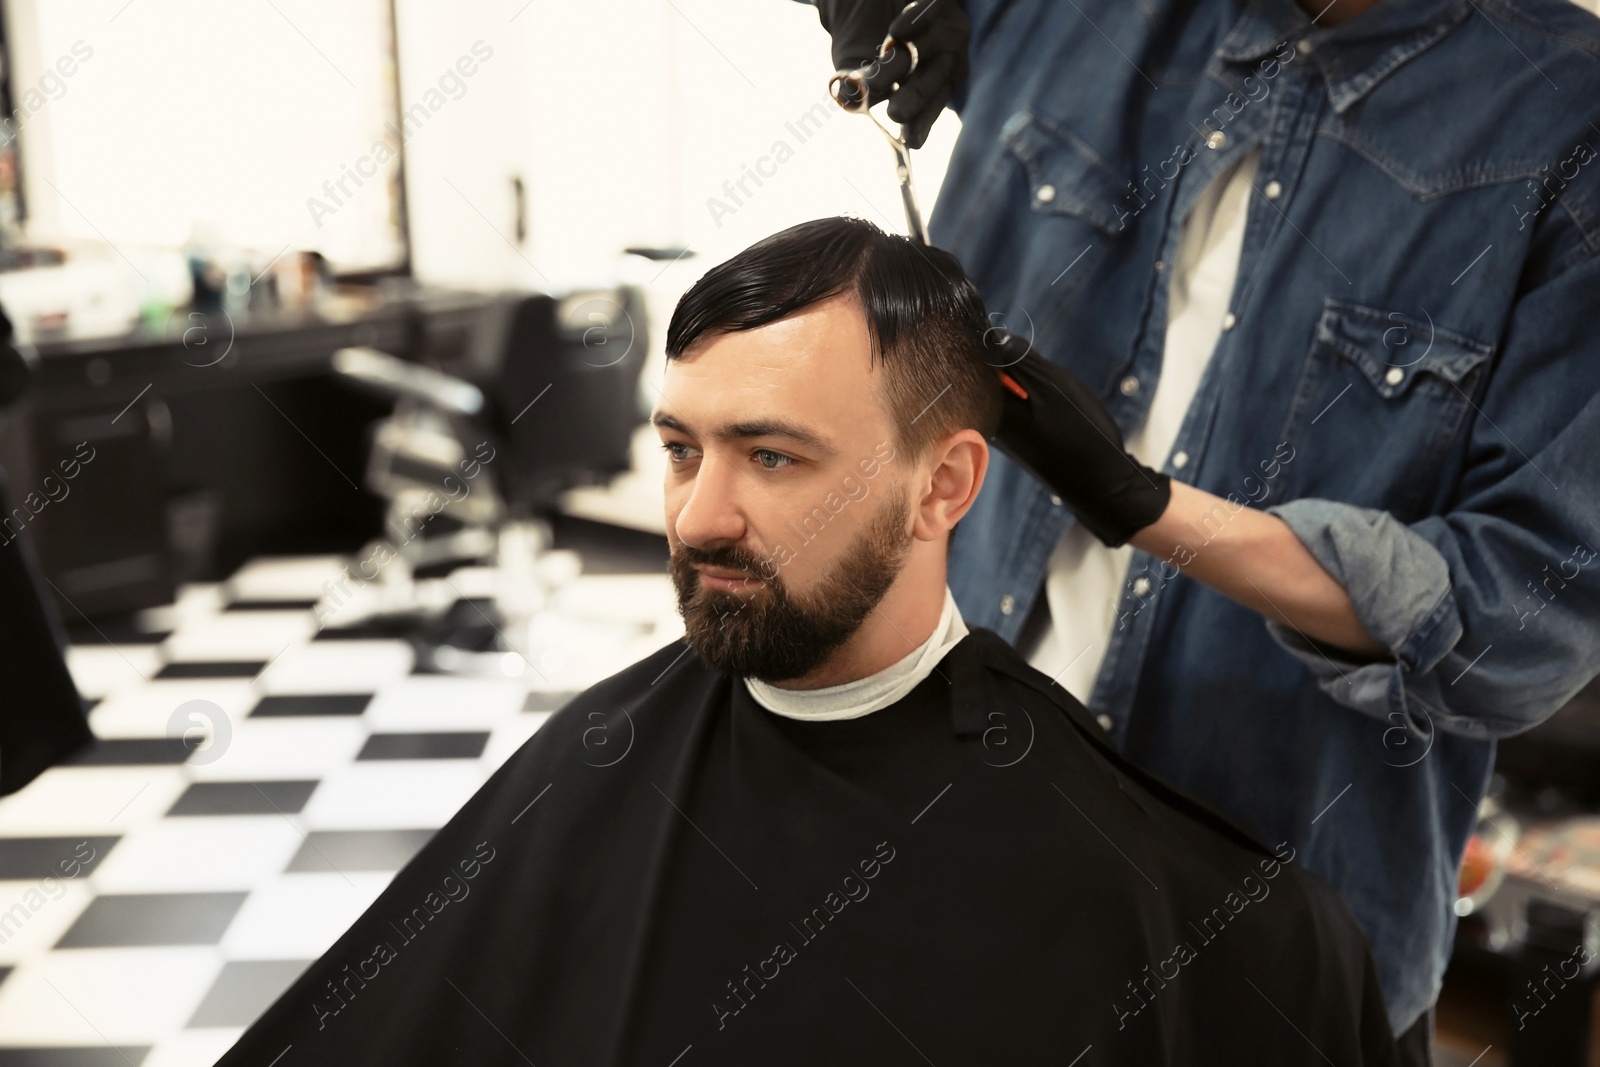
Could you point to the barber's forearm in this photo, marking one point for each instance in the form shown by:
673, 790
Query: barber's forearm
1254, 558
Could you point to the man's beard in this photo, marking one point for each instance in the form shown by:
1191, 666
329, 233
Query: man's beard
772, 634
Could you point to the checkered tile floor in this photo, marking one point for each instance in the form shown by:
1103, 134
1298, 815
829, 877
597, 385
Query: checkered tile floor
156, 896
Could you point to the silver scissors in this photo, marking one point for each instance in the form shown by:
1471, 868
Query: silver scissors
1015, 347
902, 152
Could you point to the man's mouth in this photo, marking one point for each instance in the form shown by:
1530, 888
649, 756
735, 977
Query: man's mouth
727, 580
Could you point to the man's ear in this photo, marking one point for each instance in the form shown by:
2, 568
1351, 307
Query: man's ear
953, 474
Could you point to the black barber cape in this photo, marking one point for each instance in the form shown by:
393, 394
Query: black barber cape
668, 874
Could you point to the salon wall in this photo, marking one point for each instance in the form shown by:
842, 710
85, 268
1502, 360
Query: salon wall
657, 122
706, 124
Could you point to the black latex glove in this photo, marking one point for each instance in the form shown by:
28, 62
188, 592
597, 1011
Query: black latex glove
1064, 435
937, 28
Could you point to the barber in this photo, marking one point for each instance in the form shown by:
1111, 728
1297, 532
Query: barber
1298, 490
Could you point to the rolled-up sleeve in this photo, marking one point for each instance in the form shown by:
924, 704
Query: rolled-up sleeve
1490, 609
1399, 586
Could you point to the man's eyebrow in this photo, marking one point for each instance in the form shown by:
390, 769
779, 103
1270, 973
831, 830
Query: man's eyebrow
767, 427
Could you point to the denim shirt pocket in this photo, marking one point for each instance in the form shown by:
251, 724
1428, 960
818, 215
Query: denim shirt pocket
1065, 177
1062, 195
1381, 399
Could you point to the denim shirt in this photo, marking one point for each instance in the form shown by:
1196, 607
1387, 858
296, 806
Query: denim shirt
1408, 377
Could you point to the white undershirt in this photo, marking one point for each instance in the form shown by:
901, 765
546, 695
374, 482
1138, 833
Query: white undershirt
851, 700
1086, 580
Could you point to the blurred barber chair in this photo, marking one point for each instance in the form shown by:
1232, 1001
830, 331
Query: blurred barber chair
541, 396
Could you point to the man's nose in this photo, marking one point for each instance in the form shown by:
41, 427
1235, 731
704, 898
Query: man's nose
711, 515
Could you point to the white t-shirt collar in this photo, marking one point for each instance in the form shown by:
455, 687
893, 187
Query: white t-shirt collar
851, 700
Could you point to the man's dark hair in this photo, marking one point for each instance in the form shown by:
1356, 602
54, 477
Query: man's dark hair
924, 315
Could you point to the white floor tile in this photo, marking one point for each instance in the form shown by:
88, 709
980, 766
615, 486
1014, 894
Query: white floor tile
127, 996
297, 916
152, 710
199, 854
271, 748
98, 670
338, 667
196, 600
393, 794
441, 702
285, 577
91, 800
259, 635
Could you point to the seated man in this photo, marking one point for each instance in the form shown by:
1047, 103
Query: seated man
846, 829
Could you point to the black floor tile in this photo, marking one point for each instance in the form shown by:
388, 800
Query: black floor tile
269, 605
371, 630
538, 701
103, 1056
326, 851
243, 798
212, 669
424, 746
27, 859
126, 751
122, 920
313, 704
244, 989
121, 629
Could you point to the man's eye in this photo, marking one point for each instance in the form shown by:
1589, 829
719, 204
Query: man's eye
668, 447
776, 455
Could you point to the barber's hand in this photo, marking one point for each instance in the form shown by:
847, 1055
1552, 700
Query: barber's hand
935, 31
1065, 436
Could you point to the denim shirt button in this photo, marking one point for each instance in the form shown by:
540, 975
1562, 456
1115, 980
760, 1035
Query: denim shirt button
1180, 460
1273, 190
1007, 602
1104, 721
1055, 500
1045, 194
1395, 376
1161, 265
1229, 320
1141, 586
1303, 46
1216, 139
1129, 386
